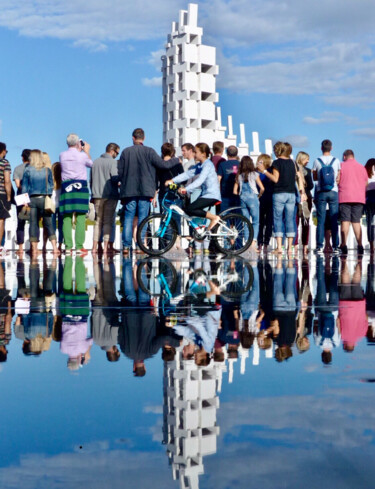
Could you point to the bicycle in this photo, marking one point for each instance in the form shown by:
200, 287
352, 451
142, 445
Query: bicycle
232, 235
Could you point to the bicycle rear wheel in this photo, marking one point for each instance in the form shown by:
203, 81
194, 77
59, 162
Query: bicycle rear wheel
233, 235
150, 270
238, 276
158, 237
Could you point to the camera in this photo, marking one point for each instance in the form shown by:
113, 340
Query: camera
82, 143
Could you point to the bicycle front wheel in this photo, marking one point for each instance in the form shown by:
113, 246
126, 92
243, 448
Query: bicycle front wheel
154, 236
233, 235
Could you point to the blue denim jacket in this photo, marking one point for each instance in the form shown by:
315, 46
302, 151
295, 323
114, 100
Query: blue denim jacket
206, 179
34, 181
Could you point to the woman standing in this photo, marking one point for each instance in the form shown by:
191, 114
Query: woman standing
38, 183
304, 209
284, 197
370, 203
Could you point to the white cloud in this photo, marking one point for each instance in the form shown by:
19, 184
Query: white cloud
329, 117
152, 82
90, 45
296, 140
281, 48
365, 132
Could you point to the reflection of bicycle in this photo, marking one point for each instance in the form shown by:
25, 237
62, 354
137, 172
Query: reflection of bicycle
232, 235
158, 278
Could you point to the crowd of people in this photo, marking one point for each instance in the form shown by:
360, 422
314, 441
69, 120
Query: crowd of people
278, 309
276, 195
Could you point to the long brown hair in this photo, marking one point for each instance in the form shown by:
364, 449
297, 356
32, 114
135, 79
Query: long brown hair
246, 166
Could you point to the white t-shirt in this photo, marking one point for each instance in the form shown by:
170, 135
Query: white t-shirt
327, 160
251, 180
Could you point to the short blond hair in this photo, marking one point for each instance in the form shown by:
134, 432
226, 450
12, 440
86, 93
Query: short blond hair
265, 159
36, 159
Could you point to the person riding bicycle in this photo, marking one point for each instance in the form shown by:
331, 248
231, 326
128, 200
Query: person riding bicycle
205, 178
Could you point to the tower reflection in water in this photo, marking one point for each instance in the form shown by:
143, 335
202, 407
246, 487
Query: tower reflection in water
212, 320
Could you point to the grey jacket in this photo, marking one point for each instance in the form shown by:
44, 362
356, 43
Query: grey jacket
104, 178
137, 171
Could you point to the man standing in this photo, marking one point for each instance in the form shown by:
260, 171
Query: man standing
226, 172
5, 190
352, 184
188, 155
325, 172
74, 198
218, 150
17, 178
137, 176
104, 190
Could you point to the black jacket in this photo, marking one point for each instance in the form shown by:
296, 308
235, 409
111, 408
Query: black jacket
137, 171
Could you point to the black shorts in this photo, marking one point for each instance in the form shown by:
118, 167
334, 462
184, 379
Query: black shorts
351, 212
351, 292
4, 207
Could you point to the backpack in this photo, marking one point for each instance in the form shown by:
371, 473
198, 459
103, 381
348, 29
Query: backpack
327, 325
326, 176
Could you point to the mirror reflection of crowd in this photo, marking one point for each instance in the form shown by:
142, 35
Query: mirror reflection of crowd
218, 311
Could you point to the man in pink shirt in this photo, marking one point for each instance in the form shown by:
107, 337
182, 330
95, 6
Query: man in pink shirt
352, 183
74, 197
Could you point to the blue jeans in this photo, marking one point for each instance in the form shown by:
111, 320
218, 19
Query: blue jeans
131, 206
250, 207
59, 218
250, 300
327, 280
321, 200
283, 213
284, 289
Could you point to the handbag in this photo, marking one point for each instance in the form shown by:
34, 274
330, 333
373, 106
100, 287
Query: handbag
24, 214
49, 204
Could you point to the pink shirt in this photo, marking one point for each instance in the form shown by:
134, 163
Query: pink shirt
74, 164
353, 321
353, 182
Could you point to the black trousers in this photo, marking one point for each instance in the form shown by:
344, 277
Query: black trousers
196, 208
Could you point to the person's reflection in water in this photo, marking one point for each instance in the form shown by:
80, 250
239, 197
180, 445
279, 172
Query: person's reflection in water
352, 306
75, 310
199, 329
105, 314
285, 307
36, 326
305, 316
5, 316
267, 324
141, 334
327, 328
370, 303
251, 317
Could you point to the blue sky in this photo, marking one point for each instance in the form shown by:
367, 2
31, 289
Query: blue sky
292, 70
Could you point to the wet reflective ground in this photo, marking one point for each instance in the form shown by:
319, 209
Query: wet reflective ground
201, 373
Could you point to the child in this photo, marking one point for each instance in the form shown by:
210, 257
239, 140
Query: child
265, 206
247, 180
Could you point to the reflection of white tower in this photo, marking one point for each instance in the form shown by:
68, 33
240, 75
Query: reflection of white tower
190, 113
190, 404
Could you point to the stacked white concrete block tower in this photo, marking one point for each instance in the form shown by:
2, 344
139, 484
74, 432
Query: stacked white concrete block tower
190, 110
190, 428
